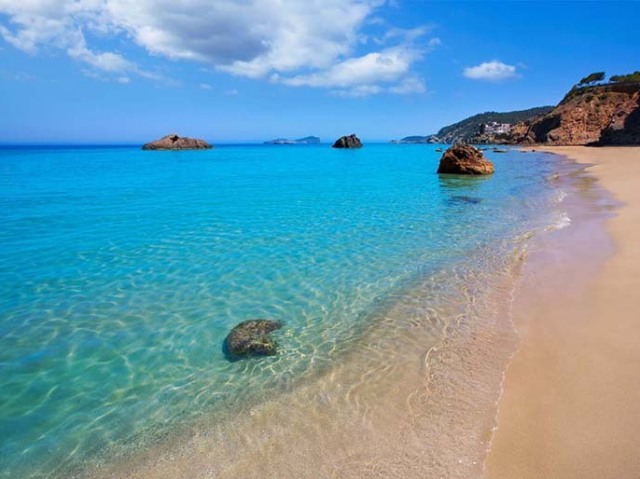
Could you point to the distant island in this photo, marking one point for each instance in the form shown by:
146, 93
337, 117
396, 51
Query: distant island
307, 140
412, 140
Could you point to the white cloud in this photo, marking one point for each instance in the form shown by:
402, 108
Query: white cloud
492, 71
100, 76
232, 92
359, 91
405, 34
310, 43
204, 86
106, 61
409, 86
60, 24
37, 22
389, 70
385, 66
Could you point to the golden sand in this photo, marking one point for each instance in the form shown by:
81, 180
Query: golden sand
571, 401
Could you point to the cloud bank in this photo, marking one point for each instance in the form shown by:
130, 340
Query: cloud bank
310, 43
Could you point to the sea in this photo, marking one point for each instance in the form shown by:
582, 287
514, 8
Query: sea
122, 271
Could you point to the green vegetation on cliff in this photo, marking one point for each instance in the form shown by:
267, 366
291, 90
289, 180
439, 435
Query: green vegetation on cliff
630, 77
468, 128
591, 84
594, 77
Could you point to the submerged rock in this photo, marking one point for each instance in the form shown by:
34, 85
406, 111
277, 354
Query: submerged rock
351, 141
251, 338
465, 160
465, 199
175, 142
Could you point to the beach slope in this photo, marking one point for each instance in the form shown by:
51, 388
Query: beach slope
570, 405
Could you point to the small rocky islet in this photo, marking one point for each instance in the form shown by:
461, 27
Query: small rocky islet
251, 339
177, 142
348, 142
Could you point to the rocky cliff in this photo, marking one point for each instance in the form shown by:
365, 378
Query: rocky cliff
597, 115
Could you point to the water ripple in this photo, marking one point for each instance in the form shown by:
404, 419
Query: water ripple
121, 272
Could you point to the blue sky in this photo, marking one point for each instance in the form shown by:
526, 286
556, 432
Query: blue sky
127, 71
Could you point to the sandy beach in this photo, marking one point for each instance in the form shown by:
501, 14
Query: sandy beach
570, 404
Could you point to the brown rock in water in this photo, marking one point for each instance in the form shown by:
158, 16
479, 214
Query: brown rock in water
175, 142
351, 141
251, 338
465, 160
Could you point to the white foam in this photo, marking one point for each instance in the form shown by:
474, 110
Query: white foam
560, 196
562, 221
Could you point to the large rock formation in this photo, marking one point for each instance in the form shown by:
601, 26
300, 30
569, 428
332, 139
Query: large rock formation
175, 142
598, 115
251, 338
351, 141
464, 160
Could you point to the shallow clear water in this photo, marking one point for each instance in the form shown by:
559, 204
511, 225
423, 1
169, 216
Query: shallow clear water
121, 272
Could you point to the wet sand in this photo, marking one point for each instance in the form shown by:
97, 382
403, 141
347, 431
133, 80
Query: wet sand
570, 405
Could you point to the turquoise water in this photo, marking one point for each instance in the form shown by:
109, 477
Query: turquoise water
121, 272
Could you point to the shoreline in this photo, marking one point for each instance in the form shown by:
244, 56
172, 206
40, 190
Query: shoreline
433, 422
348, 422
416, 398
568, 407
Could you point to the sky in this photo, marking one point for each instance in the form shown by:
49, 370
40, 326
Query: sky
129, 71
